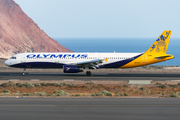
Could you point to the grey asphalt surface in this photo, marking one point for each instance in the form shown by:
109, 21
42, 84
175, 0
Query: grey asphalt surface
90, 108
95, 76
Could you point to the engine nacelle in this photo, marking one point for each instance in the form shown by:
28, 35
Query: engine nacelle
71, 69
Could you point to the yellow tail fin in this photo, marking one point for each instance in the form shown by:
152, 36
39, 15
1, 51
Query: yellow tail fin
156, 53
160, 46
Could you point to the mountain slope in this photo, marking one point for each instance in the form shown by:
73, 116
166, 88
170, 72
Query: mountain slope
19, 33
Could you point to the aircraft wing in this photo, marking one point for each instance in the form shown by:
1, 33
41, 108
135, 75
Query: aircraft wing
92, 63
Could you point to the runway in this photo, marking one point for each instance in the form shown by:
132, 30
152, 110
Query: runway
82, 76
89, 108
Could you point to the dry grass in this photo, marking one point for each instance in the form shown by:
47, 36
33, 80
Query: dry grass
117, 90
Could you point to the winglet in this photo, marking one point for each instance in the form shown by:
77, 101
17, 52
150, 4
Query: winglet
106, 59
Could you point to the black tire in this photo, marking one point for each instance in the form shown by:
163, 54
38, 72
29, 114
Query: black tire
88, 73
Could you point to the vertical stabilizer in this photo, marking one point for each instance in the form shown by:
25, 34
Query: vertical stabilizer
160, 46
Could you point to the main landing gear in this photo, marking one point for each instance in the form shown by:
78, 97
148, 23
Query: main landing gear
24, 72
88, 73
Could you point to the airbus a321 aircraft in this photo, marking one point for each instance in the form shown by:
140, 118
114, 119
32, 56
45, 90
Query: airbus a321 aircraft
77, 62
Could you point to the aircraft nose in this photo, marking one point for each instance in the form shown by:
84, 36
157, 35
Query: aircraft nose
7, 63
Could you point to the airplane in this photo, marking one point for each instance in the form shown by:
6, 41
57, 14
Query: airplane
72, 62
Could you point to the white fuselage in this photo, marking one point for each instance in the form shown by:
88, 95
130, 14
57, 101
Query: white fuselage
57, 60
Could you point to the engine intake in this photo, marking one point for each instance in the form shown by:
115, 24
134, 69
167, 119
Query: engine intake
71, 69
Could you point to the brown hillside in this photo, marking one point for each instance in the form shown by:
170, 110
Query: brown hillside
19, 33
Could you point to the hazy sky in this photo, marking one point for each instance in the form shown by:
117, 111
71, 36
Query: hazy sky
104, 18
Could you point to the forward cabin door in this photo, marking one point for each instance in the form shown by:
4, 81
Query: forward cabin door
56, 60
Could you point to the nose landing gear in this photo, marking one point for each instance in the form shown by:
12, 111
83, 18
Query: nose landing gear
24, 72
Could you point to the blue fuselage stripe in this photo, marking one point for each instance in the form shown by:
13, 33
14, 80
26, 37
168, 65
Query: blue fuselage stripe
38, 65
120, 63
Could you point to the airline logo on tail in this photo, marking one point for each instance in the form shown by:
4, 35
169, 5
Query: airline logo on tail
160, 43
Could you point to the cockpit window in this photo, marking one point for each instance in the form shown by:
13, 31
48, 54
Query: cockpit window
13, 58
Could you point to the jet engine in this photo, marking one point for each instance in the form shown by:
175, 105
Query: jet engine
71, 69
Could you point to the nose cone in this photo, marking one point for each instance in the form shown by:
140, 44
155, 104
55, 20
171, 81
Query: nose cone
7, 62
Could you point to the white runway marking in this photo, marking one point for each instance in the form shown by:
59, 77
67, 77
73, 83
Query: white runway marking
68, 79
34, 79
13, 80
140, 82
174, 80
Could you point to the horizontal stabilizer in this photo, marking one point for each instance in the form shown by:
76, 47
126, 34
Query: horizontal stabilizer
164, 56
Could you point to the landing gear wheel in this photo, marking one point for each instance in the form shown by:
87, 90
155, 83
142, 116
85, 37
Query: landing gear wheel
88, 73
23, 74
